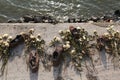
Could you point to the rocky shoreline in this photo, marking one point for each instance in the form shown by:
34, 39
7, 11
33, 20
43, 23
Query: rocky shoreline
115, 17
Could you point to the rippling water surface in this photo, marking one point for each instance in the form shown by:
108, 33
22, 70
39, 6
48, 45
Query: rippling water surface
14, 9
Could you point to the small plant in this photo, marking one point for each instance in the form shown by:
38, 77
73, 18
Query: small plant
37, 43
34, 42
110, 41
4, 51
76, 45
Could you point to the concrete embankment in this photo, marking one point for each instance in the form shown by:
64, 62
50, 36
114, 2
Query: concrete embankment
17, 67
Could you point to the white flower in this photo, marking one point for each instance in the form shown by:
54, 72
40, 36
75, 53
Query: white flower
78, 28
94, 31
111, 27
33, 41
6, 44
22, 33
106, 34
84, 37
117, 31
1, 41
10, 38
56, 38
63, 37
60, 31
31, 30
80, 39
38, 40
108, 28
80, 57
67, 46
67, 31
67, 42
26, 40
32, 37
0, 38
76, 64
73, 51
5, 36
64, 46
39, 36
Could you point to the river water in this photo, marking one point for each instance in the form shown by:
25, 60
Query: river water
14, 9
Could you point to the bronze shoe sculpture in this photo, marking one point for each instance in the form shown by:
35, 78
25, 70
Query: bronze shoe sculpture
16, 41
57, 56
34, 61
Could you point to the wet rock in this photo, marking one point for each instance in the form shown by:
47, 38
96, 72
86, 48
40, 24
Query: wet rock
94, 19
27, 18
12, 21
84, 20
71, 20
44, 19
37, 19
20, 20
107, 18
78, 20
